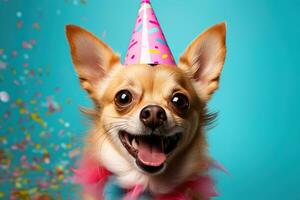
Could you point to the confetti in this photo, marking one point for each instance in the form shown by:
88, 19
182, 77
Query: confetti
36, 26
19, 14
26, 45
14, 53
164, 56
38, 138
153, 30
26, 56
74, 152
4, 97
19, 24
104, 34
67, 124
154, 51
4, 56
3, 65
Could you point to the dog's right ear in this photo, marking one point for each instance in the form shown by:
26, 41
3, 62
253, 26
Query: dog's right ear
203, 60
92, 58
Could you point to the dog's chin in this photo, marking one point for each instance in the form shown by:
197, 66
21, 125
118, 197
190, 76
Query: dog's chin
149, 151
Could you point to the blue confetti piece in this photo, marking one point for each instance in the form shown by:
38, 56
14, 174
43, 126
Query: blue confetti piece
153, 30
139, 28
161, 41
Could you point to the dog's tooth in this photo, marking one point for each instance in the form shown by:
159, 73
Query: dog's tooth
134, 143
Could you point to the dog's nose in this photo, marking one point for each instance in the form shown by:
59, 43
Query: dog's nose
153, 116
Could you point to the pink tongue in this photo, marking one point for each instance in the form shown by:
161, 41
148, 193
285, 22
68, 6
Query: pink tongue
150, 154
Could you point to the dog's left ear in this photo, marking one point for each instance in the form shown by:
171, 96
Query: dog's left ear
203, 60
92, 58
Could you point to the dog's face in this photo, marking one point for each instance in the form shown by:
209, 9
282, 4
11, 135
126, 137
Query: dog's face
148, 113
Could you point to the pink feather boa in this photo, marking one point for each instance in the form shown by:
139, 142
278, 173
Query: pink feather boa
93, 178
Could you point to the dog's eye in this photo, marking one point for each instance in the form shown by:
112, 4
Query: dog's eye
180, 102
123, 98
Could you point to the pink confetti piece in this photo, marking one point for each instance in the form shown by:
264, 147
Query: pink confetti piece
3, 65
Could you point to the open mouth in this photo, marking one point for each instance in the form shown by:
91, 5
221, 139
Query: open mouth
150, 151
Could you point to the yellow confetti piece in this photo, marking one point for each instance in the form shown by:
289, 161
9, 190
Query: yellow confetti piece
28, 136
37, 167
69, 146
23, 111
33, 190
18, 101
61, 177
35, 117
22, 194
55, 187
164, 56
33, 101
154, 51
18, 184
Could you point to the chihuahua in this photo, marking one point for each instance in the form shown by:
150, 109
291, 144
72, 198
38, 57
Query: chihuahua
149, 120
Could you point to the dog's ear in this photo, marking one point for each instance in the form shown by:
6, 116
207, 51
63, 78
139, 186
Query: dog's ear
203, 60
92, 58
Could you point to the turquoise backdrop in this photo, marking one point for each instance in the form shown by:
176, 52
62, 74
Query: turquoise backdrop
256, 136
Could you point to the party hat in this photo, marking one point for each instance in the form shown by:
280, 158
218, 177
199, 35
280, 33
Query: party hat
148, 44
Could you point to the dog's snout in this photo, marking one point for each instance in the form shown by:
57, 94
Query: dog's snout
153, 116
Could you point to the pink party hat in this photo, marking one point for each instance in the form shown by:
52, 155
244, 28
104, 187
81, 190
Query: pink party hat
148, 44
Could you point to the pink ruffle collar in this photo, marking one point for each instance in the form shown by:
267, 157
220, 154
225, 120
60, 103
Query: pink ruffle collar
93, 178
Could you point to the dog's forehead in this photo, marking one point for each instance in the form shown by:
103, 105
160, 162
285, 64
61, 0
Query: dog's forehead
147, 75
157, 81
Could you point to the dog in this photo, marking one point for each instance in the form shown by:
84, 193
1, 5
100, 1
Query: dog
149, 120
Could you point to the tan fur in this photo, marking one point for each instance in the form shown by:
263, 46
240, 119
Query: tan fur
102, 75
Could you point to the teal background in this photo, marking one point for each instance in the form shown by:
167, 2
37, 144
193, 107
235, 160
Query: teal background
257, 132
